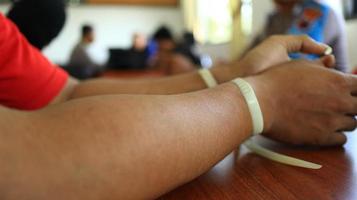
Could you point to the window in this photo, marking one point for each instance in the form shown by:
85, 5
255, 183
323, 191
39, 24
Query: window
213, 22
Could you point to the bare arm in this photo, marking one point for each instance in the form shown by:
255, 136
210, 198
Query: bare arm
272, 52
168, 85
121, 147
139, 147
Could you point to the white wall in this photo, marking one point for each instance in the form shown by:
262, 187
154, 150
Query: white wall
114, 27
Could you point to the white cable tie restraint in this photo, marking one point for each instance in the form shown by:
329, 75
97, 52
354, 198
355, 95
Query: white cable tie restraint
208, 78
258, 122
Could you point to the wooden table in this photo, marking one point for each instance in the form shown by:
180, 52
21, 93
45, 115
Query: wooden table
243, 175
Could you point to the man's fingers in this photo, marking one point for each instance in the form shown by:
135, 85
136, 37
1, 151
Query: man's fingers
328, 61
302, 44
305, 44
347, 124
335, 139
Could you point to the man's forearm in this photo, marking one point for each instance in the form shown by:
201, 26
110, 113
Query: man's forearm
125, 147
169, 85
272, 52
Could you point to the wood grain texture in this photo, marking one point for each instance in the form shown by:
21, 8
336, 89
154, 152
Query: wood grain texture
136, 2
245, 176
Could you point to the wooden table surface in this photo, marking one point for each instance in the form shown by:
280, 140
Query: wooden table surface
243, 175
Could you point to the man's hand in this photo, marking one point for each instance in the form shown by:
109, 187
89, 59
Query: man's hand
306, 104
276, 49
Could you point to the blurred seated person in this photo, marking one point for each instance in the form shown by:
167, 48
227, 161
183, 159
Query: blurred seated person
81, 65
139, 52
166, 58
135, 58
312, 18
40, 21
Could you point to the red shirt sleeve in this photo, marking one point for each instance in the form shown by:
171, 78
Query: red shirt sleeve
28, 81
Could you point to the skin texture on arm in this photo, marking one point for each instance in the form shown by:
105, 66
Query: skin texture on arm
142, 146
139, 148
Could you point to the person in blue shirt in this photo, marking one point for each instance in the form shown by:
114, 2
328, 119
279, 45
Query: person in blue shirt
310, 17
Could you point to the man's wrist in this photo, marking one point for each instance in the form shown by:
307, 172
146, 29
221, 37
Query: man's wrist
225, 74
239, 99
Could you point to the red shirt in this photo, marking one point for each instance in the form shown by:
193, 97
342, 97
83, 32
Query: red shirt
28, 81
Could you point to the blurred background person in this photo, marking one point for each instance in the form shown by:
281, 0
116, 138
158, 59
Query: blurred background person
40, 21
312, 18
165, 57
134, 58
139, 51
81, 65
